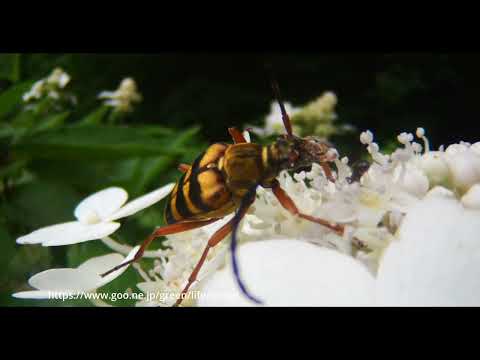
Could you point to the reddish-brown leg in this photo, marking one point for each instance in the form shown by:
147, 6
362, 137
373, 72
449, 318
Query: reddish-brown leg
165, 230
184, 167
287, 202
214, 240
236, 135
327, 171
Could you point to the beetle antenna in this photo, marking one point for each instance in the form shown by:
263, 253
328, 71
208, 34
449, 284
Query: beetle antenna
246, 202
276, 92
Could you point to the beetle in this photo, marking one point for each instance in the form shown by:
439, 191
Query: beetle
224, 179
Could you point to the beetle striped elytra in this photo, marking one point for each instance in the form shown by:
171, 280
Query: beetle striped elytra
224, 179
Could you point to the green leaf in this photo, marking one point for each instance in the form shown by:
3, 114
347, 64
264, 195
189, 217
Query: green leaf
147, 171
7, 248
12, 169
156, 130
95, 117
10, 67
12, 97
42, 203
77, 254
51, 122
102, 143
6, 131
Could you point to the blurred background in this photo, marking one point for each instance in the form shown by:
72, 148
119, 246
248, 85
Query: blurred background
56, 148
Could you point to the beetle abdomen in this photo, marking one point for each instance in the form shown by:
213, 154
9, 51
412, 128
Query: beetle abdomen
201, 192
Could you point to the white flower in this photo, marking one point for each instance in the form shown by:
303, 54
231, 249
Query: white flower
436, 259
50, 86
83, 279
170, 276
411, 179
95, 217
476, 147
58, 78
435, 168
315, 118
366, 137
124, 97
291, 273
471, 199
464, 165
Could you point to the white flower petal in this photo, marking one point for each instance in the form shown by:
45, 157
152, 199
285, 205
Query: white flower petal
246, 135
106, 94
291, 273
41, 294
69, 280
142, 202
85, 278
476, 147
440, 191
68, 233
472, 198
148, 287
436, 261
435, 167
455, 149
101, 204
464, 166
93, 268
411, 179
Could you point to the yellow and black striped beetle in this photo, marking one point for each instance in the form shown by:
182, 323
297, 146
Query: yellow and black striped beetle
224, 179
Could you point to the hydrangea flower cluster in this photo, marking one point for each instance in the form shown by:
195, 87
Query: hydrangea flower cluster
315, 118
411, 236
124, 97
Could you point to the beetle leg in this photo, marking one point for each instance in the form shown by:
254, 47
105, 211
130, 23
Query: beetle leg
165, 230
184, 167
287, 202
328, 171
214, 240
218, 236
237, 135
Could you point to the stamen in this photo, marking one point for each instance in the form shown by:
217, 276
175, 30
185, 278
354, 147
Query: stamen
142, 273
343, 169
417, 147
378, 157
90, 217
125, 249
405, 138
366, 137
332, 154
421, 134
